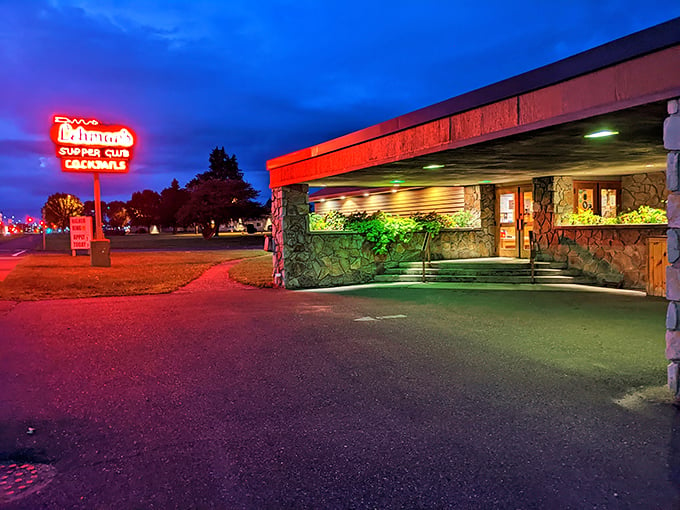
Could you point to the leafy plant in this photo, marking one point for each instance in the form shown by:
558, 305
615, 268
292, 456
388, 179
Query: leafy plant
382, 229
644, 214
332, 220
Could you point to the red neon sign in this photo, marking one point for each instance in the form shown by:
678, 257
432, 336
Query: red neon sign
86, 145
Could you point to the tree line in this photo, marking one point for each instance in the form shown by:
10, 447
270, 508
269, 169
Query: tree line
212, 198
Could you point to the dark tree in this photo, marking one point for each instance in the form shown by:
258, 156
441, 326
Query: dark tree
212, 204
117, 214
60, 207
143, 208
215, 202
222, 167
88, 209
172, 200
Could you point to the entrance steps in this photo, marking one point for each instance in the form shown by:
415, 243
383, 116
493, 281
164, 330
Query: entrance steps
486, 270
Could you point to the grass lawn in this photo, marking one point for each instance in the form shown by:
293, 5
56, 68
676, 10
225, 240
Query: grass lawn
60, 276
256, 271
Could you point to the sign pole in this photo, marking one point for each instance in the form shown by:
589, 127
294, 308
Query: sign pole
98, 232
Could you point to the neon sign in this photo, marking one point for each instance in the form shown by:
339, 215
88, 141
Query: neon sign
86, 145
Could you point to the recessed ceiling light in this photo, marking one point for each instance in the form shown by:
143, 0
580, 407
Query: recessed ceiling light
366, 194
343, 197
601, 134
432, 167
323, 200
394, 190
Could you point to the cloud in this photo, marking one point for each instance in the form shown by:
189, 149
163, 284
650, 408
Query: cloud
259, 78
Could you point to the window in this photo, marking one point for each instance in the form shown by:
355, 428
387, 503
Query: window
601, 197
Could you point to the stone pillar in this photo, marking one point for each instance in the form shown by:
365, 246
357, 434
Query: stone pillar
671, 141
487, 214
553, 200
290, 231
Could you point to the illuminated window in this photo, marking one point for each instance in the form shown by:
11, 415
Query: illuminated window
601, 197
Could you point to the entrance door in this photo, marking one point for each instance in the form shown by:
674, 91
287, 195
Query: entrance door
515, 219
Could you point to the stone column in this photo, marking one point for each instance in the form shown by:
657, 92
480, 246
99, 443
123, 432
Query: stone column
290, 229
553, 199
671, 141
487, 213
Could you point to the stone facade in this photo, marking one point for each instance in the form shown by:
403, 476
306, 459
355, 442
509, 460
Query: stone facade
290, 231
553, 200
304, 259
614, 255
671, 140
643, 189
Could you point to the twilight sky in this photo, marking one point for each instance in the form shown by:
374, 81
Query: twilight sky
261, 78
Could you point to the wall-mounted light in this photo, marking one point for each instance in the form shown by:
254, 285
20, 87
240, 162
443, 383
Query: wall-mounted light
396, 181
484, 182
601, 134
432, 167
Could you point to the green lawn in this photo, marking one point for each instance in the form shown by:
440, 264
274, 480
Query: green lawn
256, 271
61, 276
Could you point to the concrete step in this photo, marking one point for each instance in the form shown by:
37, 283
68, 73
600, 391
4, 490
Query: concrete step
479, 272
492, 270
407, 278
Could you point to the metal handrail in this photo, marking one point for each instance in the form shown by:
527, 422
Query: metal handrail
425, 251
532, 256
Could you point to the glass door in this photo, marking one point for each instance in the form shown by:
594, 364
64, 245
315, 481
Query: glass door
515, 206
506, 198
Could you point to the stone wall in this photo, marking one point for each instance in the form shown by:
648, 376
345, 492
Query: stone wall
643, 189
304, 259
614, 255
671, 141
553, 200
290, 231
344, 258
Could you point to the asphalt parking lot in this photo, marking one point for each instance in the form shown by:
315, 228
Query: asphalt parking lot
224, 396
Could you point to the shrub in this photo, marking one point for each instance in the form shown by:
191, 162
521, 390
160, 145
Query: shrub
644, 214
382, 228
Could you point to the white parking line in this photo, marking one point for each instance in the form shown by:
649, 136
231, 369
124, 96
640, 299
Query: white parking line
379, 318
18, 253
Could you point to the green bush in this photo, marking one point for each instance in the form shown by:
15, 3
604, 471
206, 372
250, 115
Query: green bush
644, 214
382, 228
332, 220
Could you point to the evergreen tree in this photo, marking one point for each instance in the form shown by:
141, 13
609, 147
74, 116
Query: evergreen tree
172, 200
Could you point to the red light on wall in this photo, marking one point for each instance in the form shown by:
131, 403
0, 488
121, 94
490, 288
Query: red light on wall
86, 145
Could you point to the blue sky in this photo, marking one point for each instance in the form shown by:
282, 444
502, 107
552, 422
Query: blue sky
260, 78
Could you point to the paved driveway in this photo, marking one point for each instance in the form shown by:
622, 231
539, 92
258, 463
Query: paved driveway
224, 396
11, 251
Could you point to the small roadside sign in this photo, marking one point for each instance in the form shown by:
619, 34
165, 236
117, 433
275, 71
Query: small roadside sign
81, 232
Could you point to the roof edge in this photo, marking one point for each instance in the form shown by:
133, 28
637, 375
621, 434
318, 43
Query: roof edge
620, 50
